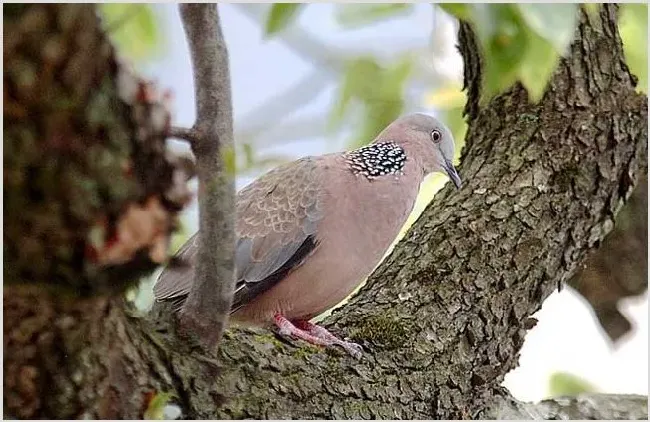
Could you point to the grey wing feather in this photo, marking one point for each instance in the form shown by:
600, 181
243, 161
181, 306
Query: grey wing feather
176, 280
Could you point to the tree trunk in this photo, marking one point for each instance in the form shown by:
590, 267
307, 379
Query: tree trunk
442, 319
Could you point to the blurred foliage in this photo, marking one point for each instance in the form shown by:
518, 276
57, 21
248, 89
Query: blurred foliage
633, 26
550, 30
248, 159
134, 28
156, 408
376, 91
280, 16
359, 15
566, 384
180, 236
519, 41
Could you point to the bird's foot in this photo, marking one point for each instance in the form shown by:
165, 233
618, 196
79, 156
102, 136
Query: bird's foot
315, 334
317, 331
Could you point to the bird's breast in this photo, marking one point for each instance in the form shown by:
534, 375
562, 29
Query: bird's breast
367, 215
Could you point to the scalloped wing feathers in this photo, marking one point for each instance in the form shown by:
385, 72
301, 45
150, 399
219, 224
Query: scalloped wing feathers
276, 222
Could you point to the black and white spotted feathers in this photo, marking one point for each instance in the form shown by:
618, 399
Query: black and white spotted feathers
375, 160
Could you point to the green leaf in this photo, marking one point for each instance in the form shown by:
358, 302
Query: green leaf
504, 39
156, 407
633, 27
356, 15
592, 9
459, 10
133, 28
376, 90
361, 76
280, 16
554, 22
487, 18
566, 384
537, 66
249, 155
385, 101
522, 42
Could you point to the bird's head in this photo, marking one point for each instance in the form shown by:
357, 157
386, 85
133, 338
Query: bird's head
425, 140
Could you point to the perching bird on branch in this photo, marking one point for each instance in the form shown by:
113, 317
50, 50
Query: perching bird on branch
308, 232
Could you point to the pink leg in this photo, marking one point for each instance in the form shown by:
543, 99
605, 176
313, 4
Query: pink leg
314, 334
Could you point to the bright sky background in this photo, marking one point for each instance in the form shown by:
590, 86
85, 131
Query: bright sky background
566, 337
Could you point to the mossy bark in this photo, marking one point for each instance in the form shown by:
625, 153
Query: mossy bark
442, 319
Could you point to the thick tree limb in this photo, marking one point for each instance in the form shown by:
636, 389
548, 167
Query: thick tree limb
618, 268
584, 406
208, 305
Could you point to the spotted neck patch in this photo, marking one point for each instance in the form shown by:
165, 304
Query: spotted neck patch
375, 160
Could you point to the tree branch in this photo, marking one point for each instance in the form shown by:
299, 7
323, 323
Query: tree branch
184, 134
208, 305
592, 406
468, 45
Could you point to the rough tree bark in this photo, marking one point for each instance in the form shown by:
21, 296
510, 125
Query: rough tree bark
442, 319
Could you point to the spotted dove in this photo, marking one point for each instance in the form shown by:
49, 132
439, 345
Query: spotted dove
309, 231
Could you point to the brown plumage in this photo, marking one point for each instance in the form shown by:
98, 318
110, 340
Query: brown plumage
309, 231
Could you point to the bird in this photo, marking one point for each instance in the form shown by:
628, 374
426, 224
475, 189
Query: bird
308, 232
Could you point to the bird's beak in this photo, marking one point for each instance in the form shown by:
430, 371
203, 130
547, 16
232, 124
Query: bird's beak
453, 174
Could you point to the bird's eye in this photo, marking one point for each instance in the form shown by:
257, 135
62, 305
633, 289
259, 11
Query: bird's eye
436, 136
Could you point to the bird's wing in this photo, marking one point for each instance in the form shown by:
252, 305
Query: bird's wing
276, 222
176, 279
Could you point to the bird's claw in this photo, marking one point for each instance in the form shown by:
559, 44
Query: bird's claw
354, 349
285, 331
